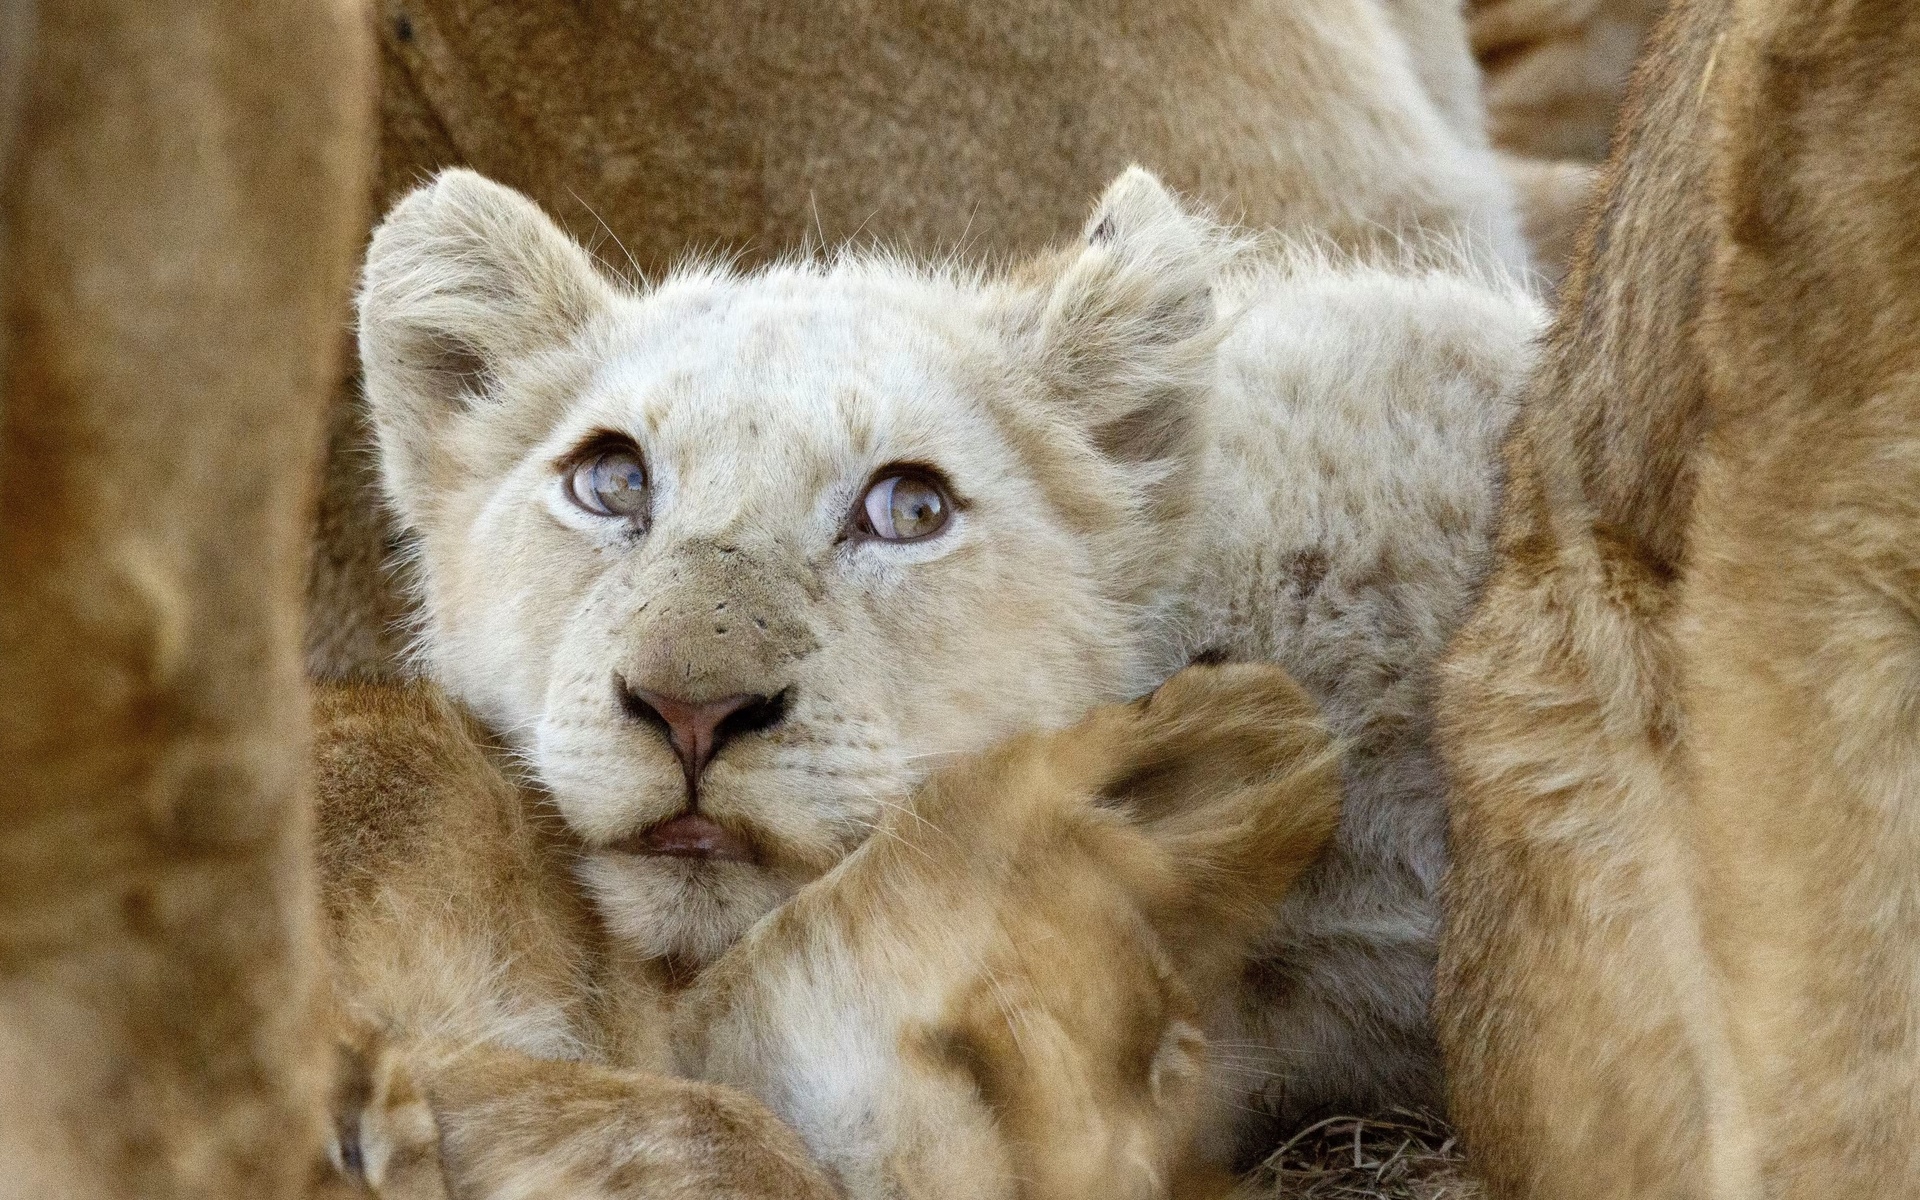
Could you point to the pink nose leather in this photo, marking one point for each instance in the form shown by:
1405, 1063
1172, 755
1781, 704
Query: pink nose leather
691, 726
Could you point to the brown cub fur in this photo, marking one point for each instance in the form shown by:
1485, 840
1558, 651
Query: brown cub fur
466, 963
1021, 964
1681, 913
1008, 990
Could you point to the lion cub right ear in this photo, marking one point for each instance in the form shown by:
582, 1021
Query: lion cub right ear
464, 280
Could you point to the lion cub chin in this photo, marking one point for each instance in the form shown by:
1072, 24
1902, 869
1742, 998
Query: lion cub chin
1006, 991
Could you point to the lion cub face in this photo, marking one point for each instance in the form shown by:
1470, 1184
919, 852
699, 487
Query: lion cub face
731, 558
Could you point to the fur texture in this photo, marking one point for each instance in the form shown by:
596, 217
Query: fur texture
1005, 992
1001, 994
658, 129
1681, 918
1345, 501
1556, 71
469, 974
1572, 999
1152, 449
179, 198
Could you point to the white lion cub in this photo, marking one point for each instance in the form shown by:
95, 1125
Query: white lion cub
733, 559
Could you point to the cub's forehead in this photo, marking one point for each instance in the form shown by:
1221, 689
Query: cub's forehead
791, 387
798, 352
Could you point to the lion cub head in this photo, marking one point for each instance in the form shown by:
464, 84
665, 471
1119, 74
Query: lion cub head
730, 557
1007, 989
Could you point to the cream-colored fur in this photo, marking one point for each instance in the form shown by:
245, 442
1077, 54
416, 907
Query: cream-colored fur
1159, 443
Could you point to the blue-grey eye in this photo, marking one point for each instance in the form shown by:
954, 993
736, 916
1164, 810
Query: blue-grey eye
610, 483
903, 507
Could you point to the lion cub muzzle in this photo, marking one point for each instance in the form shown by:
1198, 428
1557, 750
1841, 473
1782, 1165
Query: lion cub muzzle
696, 729
713, 667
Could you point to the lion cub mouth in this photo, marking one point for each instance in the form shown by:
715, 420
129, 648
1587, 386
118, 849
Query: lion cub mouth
689, 835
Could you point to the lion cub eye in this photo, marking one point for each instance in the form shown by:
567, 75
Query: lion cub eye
903, 507
611, 482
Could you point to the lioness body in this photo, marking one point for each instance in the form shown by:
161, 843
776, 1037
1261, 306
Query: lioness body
655, 130
1682, 920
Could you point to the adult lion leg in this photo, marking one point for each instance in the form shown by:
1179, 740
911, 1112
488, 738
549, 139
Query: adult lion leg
1571, 1003
1802, 649
181, 196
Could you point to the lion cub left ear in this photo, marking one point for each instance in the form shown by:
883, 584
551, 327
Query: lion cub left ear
464, 279
1128, 330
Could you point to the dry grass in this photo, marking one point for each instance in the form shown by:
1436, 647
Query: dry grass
1401, 1155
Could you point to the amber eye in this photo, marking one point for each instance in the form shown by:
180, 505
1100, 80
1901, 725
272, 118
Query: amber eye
903, 507
610, 483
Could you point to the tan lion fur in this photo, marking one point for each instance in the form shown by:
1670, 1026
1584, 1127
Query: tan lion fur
1572, 996
468, 972
1682, 914
1159, 444
1007, 983
1556, 71
179, 200
656, 129
1010, 990
1799, 610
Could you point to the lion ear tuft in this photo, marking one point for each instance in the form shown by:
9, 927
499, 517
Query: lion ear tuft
1126, 338
1136, 208
1128, 331
462, 277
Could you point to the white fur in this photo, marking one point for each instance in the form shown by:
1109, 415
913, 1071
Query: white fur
1350, 494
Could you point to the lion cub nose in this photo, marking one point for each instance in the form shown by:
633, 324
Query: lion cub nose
697, 729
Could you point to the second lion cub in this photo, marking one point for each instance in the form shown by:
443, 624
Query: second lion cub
1012, 983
